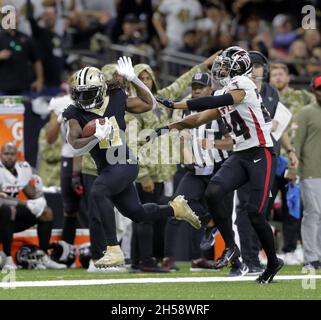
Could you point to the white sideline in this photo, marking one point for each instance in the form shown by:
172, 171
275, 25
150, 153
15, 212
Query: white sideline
91, 282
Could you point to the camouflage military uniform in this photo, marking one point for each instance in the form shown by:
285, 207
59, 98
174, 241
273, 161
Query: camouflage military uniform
49, 159
295, 100
88, 165
108, 70
158, 117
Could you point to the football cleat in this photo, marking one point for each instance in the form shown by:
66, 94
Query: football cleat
183, 211
208, 239
239, 269
113, 257
269, 273
228, 255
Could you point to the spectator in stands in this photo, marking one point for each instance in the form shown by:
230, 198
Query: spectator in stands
49, 45
307, 142
17, 53
142, 9
211, 28
131, 34
173, 18
291, 98
190, 44
315, 67
311, 38
284, 34
82, 26
298, 51
16, 179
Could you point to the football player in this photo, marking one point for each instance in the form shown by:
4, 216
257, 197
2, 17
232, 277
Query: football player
116, 174
240, 106
16, 179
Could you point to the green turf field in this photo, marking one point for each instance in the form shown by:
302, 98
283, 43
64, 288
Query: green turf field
279, 289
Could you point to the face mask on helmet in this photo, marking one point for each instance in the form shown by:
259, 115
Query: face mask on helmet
87, 98
221, 71
88, 88
30, 257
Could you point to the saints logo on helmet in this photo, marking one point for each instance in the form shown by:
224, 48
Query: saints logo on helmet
88, 88
233, 61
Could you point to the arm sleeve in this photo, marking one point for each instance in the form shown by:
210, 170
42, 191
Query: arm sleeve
212, 102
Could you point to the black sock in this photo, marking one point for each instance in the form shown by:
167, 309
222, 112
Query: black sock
44, 233
69, 229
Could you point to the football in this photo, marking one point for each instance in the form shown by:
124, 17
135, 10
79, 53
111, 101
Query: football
90, 128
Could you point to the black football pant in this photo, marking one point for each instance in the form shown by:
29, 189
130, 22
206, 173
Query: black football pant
255, 166
115, 187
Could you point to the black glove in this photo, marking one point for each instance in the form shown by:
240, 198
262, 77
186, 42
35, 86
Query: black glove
165, 102
76, 184
156, 133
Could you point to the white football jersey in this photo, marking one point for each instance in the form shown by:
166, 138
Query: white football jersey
11, 184
248, 122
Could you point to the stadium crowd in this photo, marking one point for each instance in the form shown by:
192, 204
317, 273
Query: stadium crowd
36, 62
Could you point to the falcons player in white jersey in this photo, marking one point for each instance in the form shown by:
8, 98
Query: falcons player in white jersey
16, 215
253, 160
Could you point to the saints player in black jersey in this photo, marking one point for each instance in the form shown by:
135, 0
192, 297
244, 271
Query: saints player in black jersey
117, 167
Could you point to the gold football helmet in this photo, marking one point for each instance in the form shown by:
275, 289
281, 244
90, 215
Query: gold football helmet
88, 88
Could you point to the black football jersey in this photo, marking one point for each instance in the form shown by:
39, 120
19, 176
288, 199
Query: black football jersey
115, 111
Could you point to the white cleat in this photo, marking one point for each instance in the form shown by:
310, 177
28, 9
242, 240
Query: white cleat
113, 257
183, 211
93, 269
